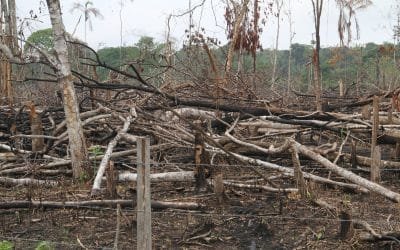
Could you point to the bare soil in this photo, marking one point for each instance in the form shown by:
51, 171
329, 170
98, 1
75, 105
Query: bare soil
246, 219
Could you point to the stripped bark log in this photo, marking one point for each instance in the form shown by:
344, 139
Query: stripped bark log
61, 162
28, 182
170, 176
366, 161
94, 204
110, 148
290, 172
345, 173
36, 128
262, 187
20, 151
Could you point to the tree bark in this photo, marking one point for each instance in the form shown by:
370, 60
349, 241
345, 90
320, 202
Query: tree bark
239, 18
107, 155
345, 173
279, 5
317, 7
36, 128
96, 203
77, 142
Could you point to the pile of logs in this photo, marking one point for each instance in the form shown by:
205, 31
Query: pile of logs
272, 142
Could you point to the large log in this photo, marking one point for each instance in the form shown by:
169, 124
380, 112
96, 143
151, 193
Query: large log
95, 204
160, 177
345, 173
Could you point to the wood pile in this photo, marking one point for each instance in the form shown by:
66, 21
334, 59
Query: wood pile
281, 146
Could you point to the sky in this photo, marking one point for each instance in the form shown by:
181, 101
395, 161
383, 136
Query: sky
149, 18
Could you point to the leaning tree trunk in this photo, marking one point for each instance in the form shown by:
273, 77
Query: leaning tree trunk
77, 143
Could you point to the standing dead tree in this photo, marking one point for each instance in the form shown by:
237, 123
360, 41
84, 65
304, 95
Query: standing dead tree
292, 34
240, 11
347, 13
317, 11
278, 6
243, 28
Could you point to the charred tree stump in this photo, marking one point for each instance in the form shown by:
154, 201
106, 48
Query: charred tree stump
199, 154
376, 165
375, 156
298, 174
353, 154
365, 112
219, 185
36, 128
346, 229
396, 153
112, 177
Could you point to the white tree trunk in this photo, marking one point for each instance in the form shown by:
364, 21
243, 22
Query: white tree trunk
346, 174
77, 142
110, 148
182, 176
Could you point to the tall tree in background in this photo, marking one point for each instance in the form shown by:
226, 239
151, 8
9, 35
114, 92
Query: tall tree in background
317, 11
278, 8
396, 35
238, 10
244, 28
347, 14
291, 36
87, 11
77, 142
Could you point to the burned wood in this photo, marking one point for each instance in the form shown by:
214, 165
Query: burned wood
95, 204
110, 148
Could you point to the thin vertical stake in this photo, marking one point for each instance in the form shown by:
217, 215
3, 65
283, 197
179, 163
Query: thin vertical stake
375, 166
143, 194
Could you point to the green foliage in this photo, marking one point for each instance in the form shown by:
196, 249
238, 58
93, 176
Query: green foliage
6, 245
41, 38
95, 150
44, 245
145, 56
369, 64
111, 56
145, 43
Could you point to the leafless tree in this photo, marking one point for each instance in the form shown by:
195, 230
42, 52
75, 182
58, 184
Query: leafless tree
87, 11
278, 6
291, 36
317, 11
347, 14
240, 10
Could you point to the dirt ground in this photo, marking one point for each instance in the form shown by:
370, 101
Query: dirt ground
245, 219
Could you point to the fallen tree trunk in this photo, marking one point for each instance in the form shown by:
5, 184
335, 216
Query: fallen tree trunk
110, 148
96, 203
159, 177
262, 187
28, 182
366, 161
130, 152
290, 172
345, 173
